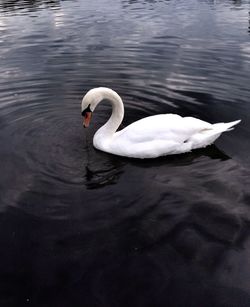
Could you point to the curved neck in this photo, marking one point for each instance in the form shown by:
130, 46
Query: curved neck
117, 110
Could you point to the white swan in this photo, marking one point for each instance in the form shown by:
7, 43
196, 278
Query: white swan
152, 136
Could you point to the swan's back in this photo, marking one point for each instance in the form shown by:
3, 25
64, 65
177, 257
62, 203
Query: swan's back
164, 134
162, 127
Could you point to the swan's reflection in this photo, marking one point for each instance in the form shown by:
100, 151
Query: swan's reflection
101, 177
98, 175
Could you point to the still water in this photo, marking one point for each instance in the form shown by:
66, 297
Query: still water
79, 227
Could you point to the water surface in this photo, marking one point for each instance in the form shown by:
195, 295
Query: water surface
79, 227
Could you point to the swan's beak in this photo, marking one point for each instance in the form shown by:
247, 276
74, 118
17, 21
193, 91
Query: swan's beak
86, 119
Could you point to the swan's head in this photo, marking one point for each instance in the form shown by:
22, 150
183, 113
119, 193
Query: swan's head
89, 103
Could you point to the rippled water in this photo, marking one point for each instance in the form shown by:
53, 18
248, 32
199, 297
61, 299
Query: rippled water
79, 227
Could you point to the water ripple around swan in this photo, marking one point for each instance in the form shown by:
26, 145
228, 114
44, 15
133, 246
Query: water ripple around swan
78, 225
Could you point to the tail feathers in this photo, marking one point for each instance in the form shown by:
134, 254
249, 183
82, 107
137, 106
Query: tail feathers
209, 135
221, 127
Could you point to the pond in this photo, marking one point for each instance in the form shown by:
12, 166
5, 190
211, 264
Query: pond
80, 227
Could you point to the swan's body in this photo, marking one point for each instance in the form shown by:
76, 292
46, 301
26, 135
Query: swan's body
152, 136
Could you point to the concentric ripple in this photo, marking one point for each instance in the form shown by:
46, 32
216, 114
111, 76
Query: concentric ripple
82, 227
47, 67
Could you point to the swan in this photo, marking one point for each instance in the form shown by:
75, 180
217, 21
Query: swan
150, 137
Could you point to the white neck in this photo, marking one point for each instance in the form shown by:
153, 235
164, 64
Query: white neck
116, 117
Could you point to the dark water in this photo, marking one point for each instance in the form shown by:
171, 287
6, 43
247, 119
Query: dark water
79, 227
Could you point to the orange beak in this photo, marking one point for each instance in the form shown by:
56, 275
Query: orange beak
86, 119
